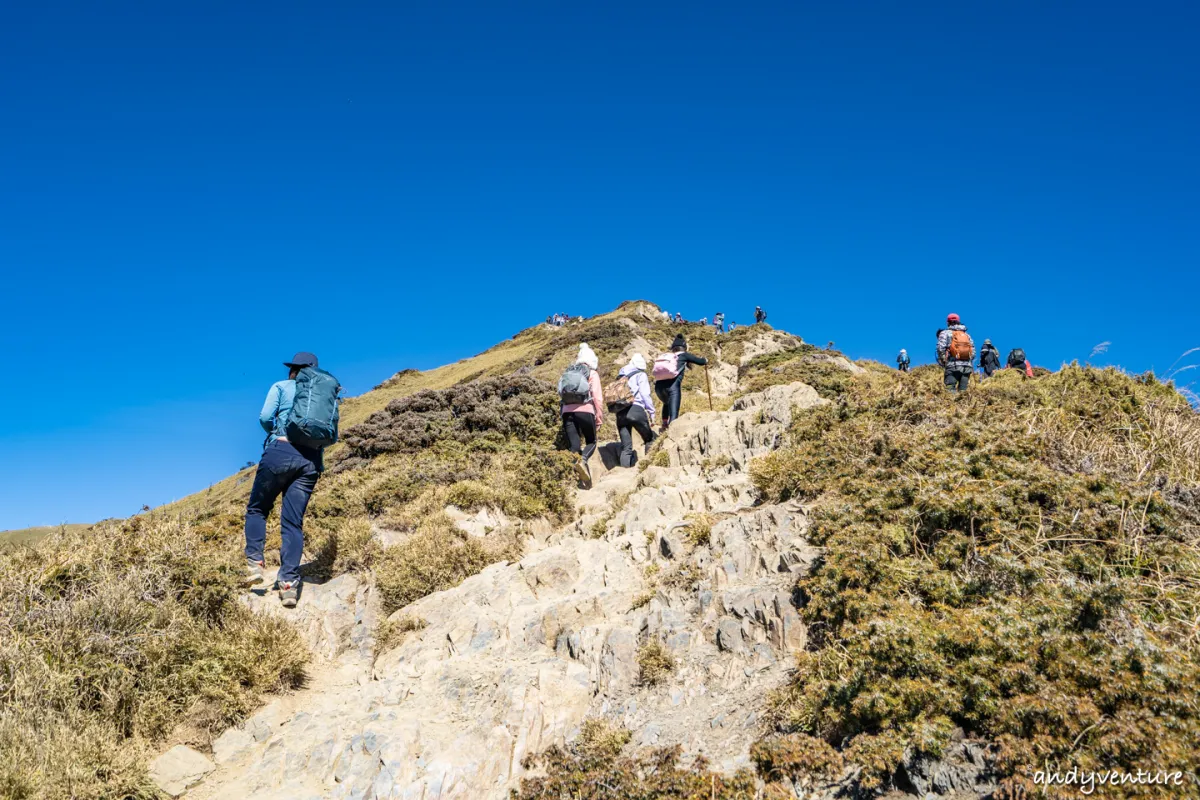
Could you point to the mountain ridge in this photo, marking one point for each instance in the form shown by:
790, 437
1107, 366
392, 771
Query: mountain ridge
464, 601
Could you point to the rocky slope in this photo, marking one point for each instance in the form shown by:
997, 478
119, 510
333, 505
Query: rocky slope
515, 658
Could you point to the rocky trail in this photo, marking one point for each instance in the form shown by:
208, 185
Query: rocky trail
515, 658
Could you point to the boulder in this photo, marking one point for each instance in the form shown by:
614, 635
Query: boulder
179, 769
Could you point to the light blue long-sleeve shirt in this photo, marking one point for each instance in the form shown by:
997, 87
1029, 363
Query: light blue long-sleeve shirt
640, 386
277, 409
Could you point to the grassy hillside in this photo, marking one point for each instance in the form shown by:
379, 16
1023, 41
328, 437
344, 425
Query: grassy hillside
541, 352
27, 536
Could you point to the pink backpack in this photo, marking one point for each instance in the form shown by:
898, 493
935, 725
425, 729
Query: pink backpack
666, 366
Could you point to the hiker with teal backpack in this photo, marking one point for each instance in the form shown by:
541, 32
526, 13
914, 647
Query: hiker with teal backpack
668, 377
630, 399
300, 417
582, 398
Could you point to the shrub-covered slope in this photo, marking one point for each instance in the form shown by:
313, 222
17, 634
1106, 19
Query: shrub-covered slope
1022, 562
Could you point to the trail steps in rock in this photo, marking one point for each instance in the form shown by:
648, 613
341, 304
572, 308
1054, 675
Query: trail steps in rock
515, 658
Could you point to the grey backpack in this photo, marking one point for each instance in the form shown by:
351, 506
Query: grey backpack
573, 386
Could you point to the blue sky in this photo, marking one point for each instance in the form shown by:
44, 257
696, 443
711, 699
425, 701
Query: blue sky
192, 192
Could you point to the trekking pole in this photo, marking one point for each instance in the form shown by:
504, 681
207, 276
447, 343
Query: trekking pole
708, 384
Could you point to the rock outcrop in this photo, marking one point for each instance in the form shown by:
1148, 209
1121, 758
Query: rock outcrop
178, 769
515, 658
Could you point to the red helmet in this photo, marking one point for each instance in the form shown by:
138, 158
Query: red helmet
952, 319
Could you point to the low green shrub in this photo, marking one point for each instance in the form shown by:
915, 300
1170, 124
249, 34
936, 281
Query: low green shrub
1021, 561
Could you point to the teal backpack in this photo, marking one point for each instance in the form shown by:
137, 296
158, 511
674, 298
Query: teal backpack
314, 418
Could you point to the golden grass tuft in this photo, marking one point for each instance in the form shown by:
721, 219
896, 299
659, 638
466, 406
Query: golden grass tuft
655, 663
390, 633
437, 556
699, 529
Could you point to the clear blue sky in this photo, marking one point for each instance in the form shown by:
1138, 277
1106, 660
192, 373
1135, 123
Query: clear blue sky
190, 192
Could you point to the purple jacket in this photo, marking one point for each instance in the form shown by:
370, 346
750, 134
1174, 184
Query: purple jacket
640, 386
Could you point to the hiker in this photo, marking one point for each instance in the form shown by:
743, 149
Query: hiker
732, 327
719, 322
760, 316
704, 322
679, 320
668, 377
1017, 360
582, 400
989, 358
291, 463
903, 361
956, 352
630, 399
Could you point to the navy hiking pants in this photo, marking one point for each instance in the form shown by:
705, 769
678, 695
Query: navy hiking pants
286, 471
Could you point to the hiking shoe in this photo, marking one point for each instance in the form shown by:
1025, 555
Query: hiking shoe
253, 574
582, 470
289, 593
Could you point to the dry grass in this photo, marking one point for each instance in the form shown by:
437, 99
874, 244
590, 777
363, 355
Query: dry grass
699, 529
642, 600
437, 556
660, 458
655, 663
600, 740
111, 637
389, 634
594, 766
29, 536
1022, 562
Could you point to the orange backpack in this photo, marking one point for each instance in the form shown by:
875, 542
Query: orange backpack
961, 347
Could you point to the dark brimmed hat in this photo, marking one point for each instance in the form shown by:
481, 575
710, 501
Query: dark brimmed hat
679, 342
301, 360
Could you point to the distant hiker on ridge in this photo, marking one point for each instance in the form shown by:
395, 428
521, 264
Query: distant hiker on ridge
989, 358
300, 417
719, 322
760, 316
956, 352
582, 398
630, 399
1017, 360
903, 361
679, 320
668, 377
